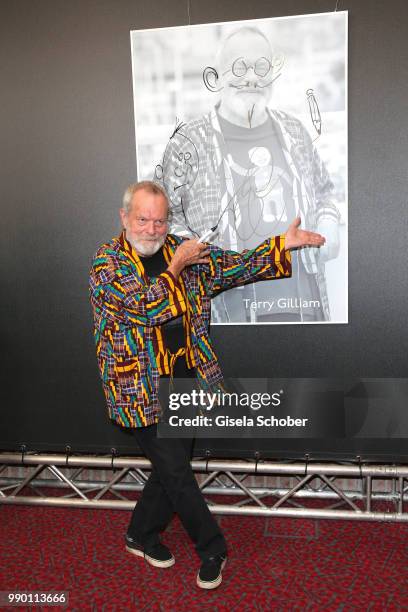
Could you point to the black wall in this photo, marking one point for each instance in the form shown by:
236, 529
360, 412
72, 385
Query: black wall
68, 152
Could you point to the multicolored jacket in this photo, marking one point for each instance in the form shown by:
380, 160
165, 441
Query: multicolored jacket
129, 310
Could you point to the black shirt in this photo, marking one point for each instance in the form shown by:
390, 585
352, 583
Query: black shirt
172, 330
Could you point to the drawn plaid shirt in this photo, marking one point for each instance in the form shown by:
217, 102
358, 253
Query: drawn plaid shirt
129, 310
203, 201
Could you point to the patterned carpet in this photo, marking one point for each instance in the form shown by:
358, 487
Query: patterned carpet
274, 564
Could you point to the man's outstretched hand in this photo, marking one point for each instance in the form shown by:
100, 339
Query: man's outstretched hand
296, 237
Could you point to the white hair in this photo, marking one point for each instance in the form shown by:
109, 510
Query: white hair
149, 186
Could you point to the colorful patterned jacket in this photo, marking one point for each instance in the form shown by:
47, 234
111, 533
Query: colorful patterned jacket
129, 309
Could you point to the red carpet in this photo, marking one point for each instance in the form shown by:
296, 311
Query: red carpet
274, 564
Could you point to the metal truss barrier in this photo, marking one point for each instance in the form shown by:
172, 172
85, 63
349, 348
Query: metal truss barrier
60, 480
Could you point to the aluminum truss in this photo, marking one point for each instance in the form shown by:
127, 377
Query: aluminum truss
61, 480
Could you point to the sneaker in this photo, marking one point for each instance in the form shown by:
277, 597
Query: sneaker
157, 554
210, 574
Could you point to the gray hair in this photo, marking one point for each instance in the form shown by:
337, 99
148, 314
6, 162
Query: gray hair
149, 186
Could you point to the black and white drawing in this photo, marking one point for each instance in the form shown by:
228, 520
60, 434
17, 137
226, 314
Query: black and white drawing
245, 125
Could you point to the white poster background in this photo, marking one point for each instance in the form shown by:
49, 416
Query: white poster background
168, 87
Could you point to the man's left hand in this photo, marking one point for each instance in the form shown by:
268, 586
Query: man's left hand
295, 237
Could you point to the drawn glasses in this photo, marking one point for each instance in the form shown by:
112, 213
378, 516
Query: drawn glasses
261, 67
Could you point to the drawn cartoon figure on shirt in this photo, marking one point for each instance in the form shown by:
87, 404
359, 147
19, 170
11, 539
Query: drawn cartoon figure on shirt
264, 181
185, 166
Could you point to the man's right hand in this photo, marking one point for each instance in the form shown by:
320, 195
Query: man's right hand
188, 253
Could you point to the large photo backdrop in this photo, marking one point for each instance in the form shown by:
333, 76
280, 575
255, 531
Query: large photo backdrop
245, 125
68, 137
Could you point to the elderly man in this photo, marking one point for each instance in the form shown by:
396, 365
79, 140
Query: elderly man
150, 293
247, 170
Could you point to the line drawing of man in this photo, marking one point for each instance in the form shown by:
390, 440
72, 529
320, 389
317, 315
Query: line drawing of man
247, 169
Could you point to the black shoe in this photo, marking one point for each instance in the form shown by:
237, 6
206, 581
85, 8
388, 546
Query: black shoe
210, 574
157, 555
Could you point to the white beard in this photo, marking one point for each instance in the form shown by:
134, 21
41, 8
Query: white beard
148, 247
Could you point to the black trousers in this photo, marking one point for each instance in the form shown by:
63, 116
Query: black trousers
172, 487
